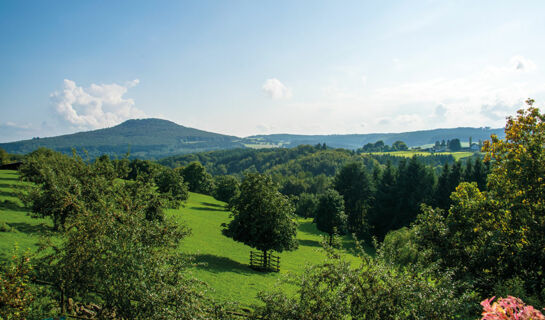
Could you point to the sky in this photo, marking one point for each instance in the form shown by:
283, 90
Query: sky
261, 67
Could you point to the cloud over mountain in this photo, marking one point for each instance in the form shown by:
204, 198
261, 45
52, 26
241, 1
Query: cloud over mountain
98, 106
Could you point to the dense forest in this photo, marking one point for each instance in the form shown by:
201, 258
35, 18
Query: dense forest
446, 234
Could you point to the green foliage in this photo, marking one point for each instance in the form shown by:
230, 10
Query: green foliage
4, 157
197, 178
16, 292
63, 185
125, 262
145, 138
262, 216
354, 184
490, 239
372, 290
330, 216
306, 205
140, 169
414, 186
170, 183
226, 188
385, 205
454, 145
400, 248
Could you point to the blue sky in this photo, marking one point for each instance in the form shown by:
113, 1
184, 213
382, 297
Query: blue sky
256, 67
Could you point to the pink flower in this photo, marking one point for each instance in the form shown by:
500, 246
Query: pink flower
510, 308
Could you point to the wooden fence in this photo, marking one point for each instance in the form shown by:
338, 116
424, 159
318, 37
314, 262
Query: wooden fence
257, 258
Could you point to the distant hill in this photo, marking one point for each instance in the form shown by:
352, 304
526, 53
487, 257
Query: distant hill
145, 138
156, 138
354, 141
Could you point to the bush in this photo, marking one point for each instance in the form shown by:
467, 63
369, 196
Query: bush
4, 227
509, 308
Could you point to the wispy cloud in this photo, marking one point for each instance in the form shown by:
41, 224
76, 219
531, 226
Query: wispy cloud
276, 89
98, 106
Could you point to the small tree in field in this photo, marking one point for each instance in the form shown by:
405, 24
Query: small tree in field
262, 217
330, 216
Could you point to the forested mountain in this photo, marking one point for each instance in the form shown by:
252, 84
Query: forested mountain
354, 141
145, 138
156, 138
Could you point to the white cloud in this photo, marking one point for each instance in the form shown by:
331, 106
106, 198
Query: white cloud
520, 63
95, 107
276, 89
473, 99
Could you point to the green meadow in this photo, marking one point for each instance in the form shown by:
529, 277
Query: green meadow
220, 262
25, 231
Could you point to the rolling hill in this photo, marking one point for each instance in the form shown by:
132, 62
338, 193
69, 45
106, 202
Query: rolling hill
145, 138
156, 138
354, 141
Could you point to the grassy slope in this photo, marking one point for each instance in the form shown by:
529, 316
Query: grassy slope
28, 230
225, 262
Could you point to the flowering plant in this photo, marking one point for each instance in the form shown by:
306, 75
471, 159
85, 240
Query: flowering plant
510, 308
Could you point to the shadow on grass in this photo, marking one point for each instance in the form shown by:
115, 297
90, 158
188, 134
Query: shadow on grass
11, 186
218, 264
11, 205
213, 205
309, 227
310, 243
207, 209
10, 177
8, 194
37, 229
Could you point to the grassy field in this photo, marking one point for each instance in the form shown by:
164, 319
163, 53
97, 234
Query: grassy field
410, 153
26, 231
226, 262
223, 262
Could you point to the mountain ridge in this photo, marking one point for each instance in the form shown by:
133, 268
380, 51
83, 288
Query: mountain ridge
154, 138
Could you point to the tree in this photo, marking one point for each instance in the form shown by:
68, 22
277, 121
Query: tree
129, 265
197, 178
262, 217
4, 157
385, 205
63, 185
414, 186
354, 184
442, 189
399, 146
170, 183
454, 145
495, 239
226, 188
330, 216
306, 205
16, 292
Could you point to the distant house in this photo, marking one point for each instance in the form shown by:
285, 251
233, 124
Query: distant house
475, 147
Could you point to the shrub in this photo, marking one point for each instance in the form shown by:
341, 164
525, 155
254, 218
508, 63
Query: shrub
509, 308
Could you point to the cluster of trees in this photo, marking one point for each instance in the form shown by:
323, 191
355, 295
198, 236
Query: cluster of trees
452, 145
114, 248
389, 197
488, 242
379, 146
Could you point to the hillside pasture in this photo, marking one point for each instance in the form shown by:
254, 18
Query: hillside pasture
225, 262
220, 262
25, 231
